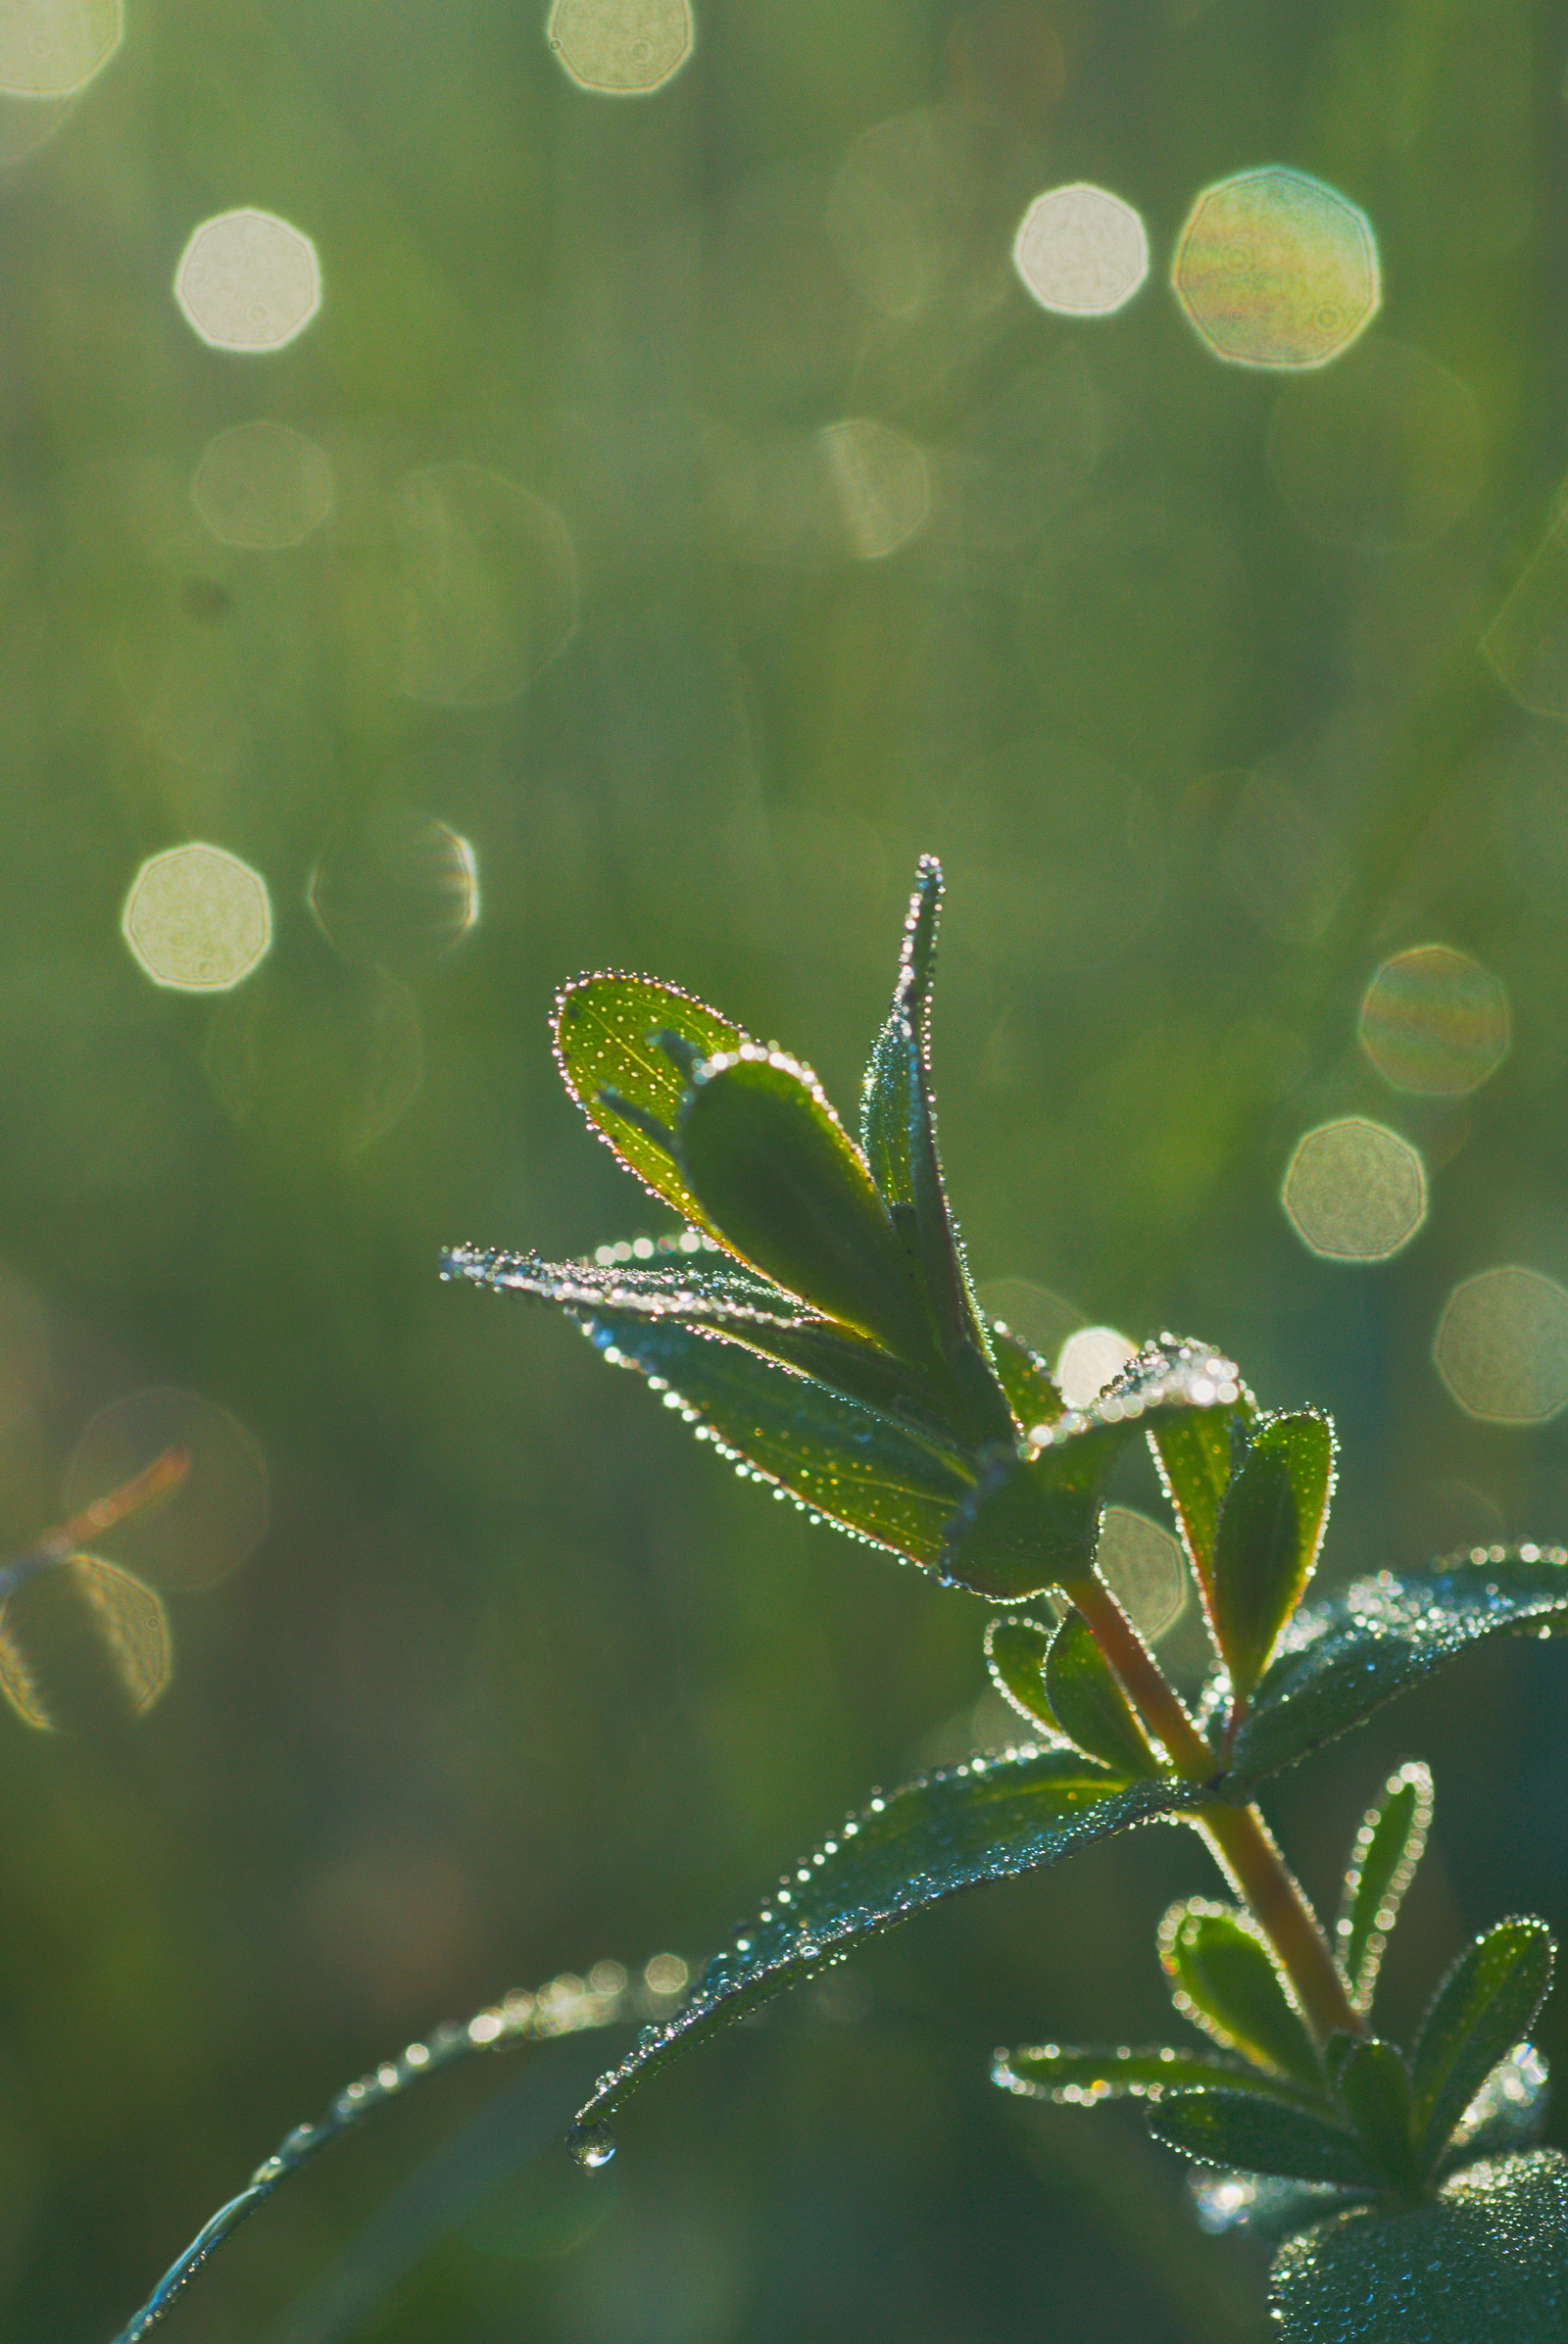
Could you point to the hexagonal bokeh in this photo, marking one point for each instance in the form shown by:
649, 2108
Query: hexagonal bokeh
621, 48
1434, 1022
52, 48
248, 280
1081, 251
262, 487
197, 919
1354, 1191
1276, 270
1501, 1347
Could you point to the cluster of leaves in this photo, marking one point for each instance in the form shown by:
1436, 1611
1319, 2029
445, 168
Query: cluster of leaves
814, 1317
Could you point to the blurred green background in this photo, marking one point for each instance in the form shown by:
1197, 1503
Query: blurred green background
551, 539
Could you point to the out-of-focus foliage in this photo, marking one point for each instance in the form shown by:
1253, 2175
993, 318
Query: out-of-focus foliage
679, 500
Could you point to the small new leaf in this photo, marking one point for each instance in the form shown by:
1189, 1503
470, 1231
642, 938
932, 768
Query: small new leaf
1388, 1848
1482, 2008
1015, 1654
1088, 1705
1262, 2135
1224, 1979
1270, 1526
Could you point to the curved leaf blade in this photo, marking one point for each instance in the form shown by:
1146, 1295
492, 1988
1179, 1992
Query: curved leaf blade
1081, 2078
1260, 2136
1339, 1660
1267, 1537
1487, 2263
1016, 1655
601, 1030
1194, 1456
695, 1283
1024, 1378
1088, 1705
1373, 2087
1388, 1848
988, 1820
1223, 1979
1484, 2007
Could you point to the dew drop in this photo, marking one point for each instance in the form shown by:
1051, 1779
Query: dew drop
593, 2145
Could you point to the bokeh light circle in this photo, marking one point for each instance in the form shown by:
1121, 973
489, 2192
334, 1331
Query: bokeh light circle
83, 1644
1081, 251
248, 280
1276, 270
1501, 1347
208, 1526
399, 892
621, 48
52, 48
1087, 1362
262, 487
1354, 1191
882, 482
1434, 1022
197, 919
1142, 1566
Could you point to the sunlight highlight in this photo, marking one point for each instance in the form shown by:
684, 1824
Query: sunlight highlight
621, 48
1081, 251
247, 280
197, 919
1276, 270
52, 48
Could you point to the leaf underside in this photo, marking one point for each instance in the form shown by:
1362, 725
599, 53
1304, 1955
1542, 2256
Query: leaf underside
1487, 2263
1260, 2136
1081, 2077
988, 1820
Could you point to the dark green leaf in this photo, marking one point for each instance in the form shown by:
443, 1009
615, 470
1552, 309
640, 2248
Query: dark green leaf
1088, 1705
847, 1462
1051, 2072
986, 1821
778, 1177
1025, 1380
1373, 2088
1194, 1454
1342, 1659
1269, 1530
1484, 2005
1224, 1979
1015, 1654
602, 1033
1388, 1848
1487, 2263
1260, 2136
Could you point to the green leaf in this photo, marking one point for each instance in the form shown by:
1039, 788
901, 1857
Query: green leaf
847, 1462
1016, 1655
1388, 1848
1024, 1378
1223, 1977
1482, 2008
1373, 2087
1270, 1528
1260, 2136
1339, 1660
1194, 1456
988, 1820
1487, 2263
1080, 2077
602, 1031
778, 1177
1088, 1705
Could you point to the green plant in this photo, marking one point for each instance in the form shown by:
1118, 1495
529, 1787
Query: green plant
813, 1318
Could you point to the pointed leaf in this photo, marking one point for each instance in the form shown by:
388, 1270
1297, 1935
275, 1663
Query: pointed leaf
1194, 1454
1342, 1659
1088, 1705
985, 1821
1270, 1528
1260, 2136
1024, 1378
1373, 2087
1487, 2263
850, 1464
1482, 2008
777, 1174
1080, 2077
1224, 1979
1015, 1654
602, 1029
899, 1132
695, 1283
1388, 1848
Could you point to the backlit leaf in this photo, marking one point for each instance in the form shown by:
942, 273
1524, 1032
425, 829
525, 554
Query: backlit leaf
1484, 2005
774, 1172
1025, 1379
602, 1027
1269, 1530
1015, 1654
1339, 1660
1388, 1848
1088, 1703
1260, 2134
1194, 1456
987, 1820
1487, 2264
1079, 2077
1224, 1979
1373, 2088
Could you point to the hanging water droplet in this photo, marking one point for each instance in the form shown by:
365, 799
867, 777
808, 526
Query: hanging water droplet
593, 2145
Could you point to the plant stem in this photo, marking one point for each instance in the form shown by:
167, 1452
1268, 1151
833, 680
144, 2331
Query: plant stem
1238, 1836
